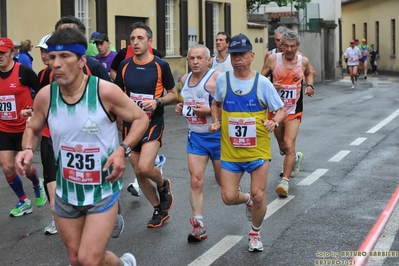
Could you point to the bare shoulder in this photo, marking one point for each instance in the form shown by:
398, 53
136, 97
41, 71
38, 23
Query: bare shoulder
183, 79
109, 92
215, 75
42, 98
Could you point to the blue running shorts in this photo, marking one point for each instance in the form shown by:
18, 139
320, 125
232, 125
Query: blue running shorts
248, 167
204, 144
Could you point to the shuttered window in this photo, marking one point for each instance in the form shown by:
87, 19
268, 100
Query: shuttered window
227, 18
183, 27
209, 40
67, 8
161, 28
101, 16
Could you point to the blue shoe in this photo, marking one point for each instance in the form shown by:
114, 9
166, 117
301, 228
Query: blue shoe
160, 161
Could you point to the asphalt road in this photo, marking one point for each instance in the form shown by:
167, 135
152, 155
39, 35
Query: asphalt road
346, 180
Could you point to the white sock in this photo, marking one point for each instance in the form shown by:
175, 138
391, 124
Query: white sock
200, 219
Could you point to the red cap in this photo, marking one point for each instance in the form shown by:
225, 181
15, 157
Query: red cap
5, 45
352, 41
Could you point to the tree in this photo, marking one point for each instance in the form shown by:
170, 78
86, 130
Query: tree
253, 5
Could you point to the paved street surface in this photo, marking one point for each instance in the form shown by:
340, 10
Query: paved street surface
349, 172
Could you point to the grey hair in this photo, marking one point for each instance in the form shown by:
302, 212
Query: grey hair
207, 52
281, 30
291, 35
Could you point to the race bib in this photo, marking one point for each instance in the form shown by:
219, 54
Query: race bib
188, 112
81, 165
288, 94
242, 132
8, 109
139, 98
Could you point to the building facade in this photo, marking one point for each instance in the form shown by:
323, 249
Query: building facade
318, 26
377, 22
176, 24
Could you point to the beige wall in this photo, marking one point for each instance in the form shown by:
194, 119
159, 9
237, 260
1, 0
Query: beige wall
370, 11
260, 49
35, 27
28, 20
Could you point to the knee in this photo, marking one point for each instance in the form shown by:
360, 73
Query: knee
258, 197
89, 260
197, 182
145, 170
289, 146
229, 198
8, 169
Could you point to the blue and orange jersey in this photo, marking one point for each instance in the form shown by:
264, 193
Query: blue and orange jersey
148, 78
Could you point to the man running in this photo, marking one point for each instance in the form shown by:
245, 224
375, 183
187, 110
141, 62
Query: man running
90, 161
239, 109
197, 92
353, 55
221, 62
289, 70
15, 96
144, 77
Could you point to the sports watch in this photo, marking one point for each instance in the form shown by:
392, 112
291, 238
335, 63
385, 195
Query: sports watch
128, 151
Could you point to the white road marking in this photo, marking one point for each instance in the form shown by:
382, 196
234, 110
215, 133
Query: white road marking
313, 177
386, 239
384, 122
276, 204
339, 156
216, 251
358, 141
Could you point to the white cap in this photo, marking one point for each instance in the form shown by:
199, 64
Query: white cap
42, 43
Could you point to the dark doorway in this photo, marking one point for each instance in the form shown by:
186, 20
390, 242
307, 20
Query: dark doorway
122, 30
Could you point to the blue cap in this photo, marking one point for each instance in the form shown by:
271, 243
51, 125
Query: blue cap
239, 44
95, 34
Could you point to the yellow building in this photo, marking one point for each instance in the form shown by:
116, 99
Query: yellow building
377, 21
176, 24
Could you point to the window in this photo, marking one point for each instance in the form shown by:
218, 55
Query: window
377, 35
393, 29
214, 17
82, 13
216, 24
353, 31
365, 30
170, 28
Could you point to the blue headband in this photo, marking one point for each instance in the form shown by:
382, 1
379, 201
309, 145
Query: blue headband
76, 48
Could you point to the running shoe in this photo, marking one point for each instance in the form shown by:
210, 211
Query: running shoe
40, 196
22, 207
353, 86
160, 161
298, 162
158, 218
282, 189
165, 195
51, 229
128, 259
254, 242
118, 227
198, 233
134, 188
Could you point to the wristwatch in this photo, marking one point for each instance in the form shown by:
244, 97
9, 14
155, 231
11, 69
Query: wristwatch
159, 102
128, 151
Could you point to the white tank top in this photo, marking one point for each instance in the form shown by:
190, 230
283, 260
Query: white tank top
222, 66
194, 96
83, 138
